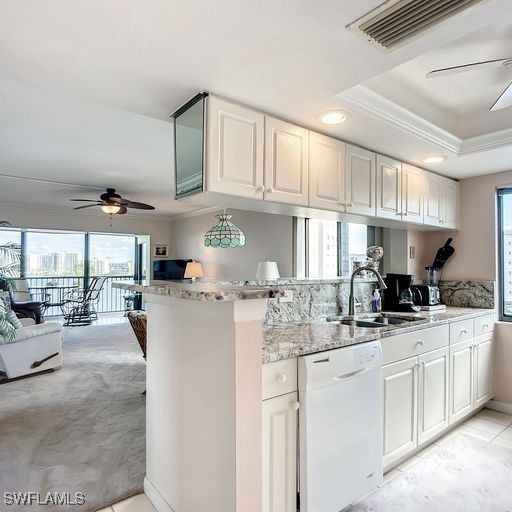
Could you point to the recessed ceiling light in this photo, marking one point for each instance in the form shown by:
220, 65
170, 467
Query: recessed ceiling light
333, 117
435, 159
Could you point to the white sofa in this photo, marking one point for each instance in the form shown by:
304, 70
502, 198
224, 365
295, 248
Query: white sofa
36, 348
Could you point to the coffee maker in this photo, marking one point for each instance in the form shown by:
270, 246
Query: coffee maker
399, 296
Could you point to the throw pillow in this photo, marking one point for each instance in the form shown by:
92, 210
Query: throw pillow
11, 316
7, 330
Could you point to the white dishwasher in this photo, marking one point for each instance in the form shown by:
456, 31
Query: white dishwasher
340, 426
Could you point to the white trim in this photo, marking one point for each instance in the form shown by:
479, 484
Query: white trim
487, 142
499, 406
155, 497
368, 102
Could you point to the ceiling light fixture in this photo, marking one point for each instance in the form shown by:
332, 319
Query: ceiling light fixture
333, 117
224, 234
110, 208
434, 159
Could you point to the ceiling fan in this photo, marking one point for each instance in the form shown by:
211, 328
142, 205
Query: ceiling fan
505, 98
112, 203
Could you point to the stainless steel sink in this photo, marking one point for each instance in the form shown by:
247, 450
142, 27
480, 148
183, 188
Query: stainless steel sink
394, 320
356, 323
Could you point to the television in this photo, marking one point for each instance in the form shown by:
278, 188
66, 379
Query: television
169, 270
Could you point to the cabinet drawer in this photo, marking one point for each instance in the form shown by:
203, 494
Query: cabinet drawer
461, 331
484, 324
411, 344
279, 378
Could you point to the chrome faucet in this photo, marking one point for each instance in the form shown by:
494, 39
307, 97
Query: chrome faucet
351, 298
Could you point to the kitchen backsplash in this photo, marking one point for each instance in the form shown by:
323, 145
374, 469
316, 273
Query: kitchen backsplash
468, 294
312, 298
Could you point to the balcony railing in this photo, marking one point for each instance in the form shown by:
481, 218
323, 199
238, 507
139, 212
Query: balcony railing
110, 299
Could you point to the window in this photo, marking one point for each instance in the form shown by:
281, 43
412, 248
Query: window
10, 239
330, 248
505, 240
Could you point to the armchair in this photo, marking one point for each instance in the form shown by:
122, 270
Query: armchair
78, 308
22, 302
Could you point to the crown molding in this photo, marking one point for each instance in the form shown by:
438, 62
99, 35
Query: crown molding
370, 103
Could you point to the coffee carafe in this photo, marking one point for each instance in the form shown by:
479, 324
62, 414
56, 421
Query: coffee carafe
399, 296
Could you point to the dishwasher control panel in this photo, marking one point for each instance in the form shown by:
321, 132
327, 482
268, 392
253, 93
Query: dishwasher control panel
321, 369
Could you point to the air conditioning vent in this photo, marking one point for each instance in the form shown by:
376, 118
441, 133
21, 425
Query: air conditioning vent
395, 22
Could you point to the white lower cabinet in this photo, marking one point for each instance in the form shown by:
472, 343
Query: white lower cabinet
400, 409
461, 376
433, 393
279, 443
483, 363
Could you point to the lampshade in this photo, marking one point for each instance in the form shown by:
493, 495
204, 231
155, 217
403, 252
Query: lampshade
267, 270
110, 208
224, 234
193, 270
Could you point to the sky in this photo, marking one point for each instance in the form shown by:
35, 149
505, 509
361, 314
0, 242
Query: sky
119, 248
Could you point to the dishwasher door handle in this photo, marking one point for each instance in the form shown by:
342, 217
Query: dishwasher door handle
349, 375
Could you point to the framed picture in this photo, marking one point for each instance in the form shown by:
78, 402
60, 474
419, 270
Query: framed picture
160, 251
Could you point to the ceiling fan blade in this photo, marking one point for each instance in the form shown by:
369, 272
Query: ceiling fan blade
504, 100
86, 206
138, 206
86, 200
468, 67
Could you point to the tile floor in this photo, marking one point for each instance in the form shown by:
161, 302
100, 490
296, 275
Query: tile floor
487, 425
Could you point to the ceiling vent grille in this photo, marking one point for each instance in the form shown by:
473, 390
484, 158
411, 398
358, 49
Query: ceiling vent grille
395, 22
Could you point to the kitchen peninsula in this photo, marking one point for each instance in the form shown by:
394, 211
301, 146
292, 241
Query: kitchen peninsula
206, 346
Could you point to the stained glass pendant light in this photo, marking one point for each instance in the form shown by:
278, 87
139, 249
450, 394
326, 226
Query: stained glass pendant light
224, 234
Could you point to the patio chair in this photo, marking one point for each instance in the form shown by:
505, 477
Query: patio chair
78, 308
23, 303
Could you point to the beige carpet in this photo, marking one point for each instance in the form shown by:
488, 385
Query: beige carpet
80, 429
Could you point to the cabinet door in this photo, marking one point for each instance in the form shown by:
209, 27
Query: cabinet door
432, 201
461, 380
279, 437
286, 162
389, 188
450, 204
326, 172
234, 149
413, 190
400, 409
360, 181
433, 393
483, 353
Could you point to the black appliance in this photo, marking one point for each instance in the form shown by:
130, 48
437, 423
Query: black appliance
429, 294
169, 270
399, 295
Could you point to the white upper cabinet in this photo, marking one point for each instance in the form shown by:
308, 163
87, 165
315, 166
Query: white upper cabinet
286, 162
450, 203
389, 188
360, 181
441, 201
413, 190
234, 149
326, 172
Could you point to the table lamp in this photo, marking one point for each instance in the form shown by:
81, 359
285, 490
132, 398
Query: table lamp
193, 270
267, 270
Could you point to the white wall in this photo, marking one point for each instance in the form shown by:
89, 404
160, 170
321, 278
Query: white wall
268, 237
158, 228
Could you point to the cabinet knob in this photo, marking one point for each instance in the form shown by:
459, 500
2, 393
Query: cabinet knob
398, 213
342, 203
485, 326
463, 331
404, 214
420, 343
261, 188
349, 204
270, 190
282, 378
295, 406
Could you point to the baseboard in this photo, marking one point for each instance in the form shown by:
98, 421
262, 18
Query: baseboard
499, 406
155, 497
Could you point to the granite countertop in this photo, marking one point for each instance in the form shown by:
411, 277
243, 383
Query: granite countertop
292, 339
205, 292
